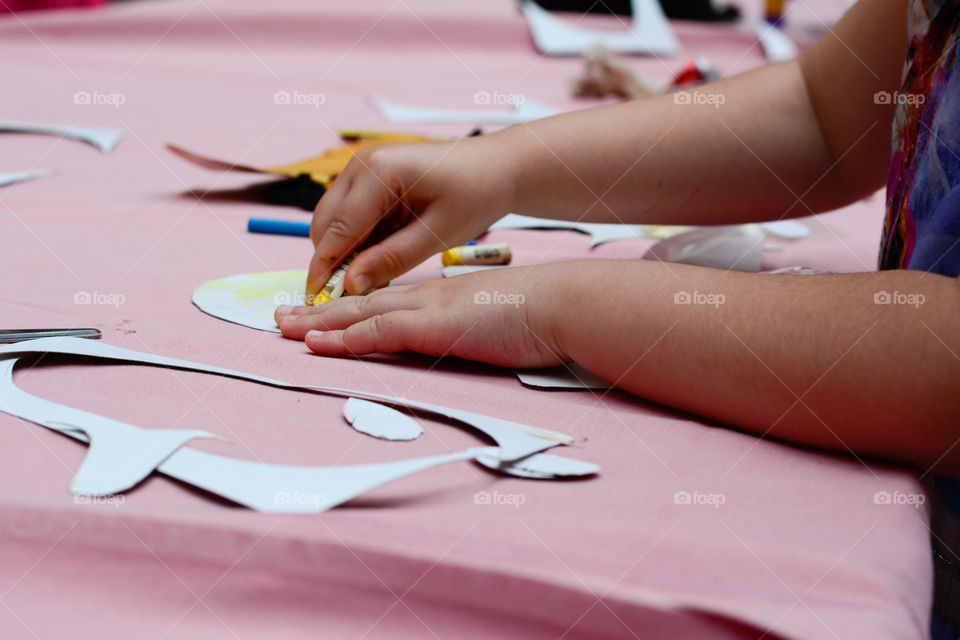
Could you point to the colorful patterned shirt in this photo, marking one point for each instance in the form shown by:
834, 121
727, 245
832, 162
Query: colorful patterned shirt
922, 227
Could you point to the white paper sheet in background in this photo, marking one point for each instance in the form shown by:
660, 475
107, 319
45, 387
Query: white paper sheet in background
736, 248
777, 46
649, 32
606, 232
598, 232
251, 298
103, 139
17, 176
260, 486
523, 112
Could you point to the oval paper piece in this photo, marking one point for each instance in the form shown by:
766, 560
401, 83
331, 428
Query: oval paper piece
251, 298
380, 421
541, 465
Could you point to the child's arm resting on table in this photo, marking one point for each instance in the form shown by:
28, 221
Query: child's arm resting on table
816, 360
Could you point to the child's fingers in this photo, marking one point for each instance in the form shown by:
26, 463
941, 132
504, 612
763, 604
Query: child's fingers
328, 204
394, 256
387, 333
351, 223
339, 314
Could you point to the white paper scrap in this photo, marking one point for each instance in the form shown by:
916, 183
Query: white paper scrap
649, 32
380, 421
599, 232
541, 465
524, 111
18, 176
777, 46
569, 376
735, 248
103, 139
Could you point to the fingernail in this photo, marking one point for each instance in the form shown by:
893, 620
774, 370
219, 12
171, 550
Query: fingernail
313, 335
360, 284
284, 310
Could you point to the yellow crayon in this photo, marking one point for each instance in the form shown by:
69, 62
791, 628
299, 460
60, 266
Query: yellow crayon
334, 287
477, 254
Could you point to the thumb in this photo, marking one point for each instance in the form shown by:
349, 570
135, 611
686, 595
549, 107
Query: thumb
396, 254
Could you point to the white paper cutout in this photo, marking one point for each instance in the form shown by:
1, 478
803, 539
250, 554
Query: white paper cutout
251, 298
463, 269
260, 486
17, 176
524, 112
103, 139
736, 248
570, 376
380, 421
542, 466
599, 232
119, 458
120, 455
514, 439
777, 46
649, 32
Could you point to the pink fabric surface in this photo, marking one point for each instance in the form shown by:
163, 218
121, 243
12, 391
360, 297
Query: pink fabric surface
798, 548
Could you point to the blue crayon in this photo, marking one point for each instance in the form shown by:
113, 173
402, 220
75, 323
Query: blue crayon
279, 227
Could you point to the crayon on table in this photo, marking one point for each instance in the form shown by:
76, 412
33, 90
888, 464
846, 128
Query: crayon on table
279, 227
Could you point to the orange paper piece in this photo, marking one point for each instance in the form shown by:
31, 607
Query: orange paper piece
322, 169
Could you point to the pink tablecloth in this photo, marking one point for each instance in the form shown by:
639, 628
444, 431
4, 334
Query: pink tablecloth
798, 546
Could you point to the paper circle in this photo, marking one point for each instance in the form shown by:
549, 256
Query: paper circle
251, 298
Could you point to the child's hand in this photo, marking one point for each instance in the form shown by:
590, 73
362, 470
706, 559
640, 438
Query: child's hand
413, 200
505, 317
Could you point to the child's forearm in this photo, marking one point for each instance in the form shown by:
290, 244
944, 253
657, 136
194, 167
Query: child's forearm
781, 141
815, 360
